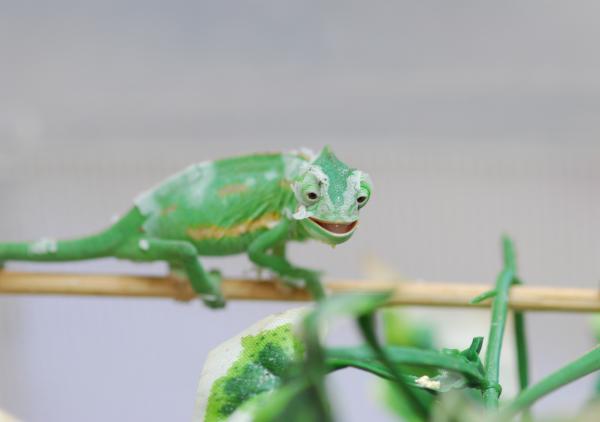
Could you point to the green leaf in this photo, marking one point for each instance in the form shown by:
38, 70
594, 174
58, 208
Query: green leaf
293, 402
303, 396
586, 364
351, 304
401, 405
430, 361
249, 366
400, 330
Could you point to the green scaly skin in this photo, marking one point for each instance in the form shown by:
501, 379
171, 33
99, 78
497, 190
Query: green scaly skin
252, 204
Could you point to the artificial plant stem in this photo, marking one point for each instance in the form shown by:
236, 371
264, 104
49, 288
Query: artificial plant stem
366, 325
364, 358
585, 365
315, 369
522, 355
491, 392
596, 330
521, 344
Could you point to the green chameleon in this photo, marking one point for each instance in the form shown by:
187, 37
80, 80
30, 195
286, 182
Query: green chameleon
252, 204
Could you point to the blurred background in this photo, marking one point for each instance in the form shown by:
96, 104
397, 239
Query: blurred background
473, 118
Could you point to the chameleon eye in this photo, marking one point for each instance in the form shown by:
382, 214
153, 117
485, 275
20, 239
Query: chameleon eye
312, 196
362, 199
309, 189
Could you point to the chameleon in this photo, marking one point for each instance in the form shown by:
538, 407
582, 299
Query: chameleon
251, 204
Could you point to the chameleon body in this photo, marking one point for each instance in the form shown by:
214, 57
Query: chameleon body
251, 204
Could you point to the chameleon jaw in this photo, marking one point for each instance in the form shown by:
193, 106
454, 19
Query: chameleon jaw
335, 228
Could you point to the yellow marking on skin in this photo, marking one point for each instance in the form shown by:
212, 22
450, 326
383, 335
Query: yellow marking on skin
215, 232
230, 189
168, 210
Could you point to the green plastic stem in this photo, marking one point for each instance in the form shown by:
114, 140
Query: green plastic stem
491, 392
366, 325
315, 368
521, 345
522, 356
581, 367
365, 358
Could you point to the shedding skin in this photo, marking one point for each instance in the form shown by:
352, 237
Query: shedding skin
251, 204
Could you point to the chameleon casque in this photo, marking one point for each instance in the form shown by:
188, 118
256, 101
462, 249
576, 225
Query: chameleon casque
252, 204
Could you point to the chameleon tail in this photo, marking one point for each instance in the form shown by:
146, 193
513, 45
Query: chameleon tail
95, 246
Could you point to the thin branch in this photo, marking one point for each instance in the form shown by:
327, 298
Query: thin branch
522, 357
491, 393
420, 293
586, 364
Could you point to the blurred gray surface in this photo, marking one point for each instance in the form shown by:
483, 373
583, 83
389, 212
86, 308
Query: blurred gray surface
474, 119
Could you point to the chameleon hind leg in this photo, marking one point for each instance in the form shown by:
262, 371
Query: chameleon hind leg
179, 255
178, 272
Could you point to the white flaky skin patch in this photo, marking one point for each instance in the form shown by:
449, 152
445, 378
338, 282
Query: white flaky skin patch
44, 246
223, 356
294, 165
201, 175
301, 213
429, 383
271, 175
306, 153
352, 188
144, 244
320, 175
325, 202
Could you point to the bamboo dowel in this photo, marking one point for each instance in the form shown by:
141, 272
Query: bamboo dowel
420, 293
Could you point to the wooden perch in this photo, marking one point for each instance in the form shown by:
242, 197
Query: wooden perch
419, 293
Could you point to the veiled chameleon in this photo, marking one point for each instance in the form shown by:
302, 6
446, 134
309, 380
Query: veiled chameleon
251, 204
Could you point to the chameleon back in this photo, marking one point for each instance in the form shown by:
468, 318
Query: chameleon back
221, 206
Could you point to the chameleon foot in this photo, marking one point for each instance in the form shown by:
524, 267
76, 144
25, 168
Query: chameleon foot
292, 283
211, 296
216, 299
309, 279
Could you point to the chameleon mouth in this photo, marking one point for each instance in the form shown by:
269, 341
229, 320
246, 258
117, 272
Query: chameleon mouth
334, 227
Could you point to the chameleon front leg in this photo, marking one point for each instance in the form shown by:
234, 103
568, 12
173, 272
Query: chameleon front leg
272, 239
280, 251
179, 254
277, 250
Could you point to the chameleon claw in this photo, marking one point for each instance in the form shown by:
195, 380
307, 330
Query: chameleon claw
307, 279
255, 271
211, 296
216, 273
214, 300
293, 283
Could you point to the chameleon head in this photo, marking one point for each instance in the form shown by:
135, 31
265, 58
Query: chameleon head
329, 196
